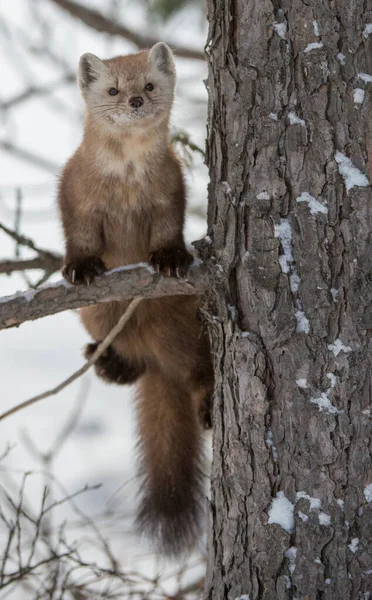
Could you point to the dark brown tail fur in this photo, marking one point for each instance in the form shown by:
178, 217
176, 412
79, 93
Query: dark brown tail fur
170, 464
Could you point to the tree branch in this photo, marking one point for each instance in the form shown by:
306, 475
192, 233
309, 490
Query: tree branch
98, 352
99, 22
50, 262
39, 161
41, 90
123, 283
12, 265
25, 241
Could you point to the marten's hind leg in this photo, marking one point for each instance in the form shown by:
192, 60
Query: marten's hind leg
114, 368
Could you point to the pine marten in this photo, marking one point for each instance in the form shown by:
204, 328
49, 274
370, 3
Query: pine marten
122, 201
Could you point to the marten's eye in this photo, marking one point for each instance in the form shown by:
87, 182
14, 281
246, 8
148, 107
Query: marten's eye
113, 91
149, 87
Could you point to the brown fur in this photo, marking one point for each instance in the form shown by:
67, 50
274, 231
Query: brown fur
122, 201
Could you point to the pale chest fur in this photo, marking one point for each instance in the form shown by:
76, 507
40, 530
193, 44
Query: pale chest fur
126, 233
125, 201
127, 185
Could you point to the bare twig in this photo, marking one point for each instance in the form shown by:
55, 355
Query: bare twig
183, 138
47, 457
18, 216
124, 283
49, 261
52, 567
72, 420
28, 156
20, 239
38, 90
99, 22
12, 577
50, 265
100, 350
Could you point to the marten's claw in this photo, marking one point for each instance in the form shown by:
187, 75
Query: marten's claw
172, 262
83, 271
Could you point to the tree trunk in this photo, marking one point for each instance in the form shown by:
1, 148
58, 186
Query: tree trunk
290, 222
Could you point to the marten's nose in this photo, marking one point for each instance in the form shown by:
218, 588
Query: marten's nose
136, 101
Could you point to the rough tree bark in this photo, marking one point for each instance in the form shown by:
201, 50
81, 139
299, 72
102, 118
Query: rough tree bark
290, 227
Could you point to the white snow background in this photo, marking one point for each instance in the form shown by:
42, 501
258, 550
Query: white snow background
38, 355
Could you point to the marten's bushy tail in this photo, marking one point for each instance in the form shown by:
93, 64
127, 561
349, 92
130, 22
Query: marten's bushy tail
171, 452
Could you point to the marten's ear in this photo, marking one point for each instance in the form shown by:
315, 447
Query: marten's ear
90, 67
162, 57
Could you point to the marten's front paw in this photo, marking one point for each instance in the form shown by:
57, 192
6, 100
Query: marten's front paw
83, 271
174, 262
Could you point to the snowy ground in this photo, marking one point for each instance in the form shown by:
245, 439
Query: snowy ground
37, 356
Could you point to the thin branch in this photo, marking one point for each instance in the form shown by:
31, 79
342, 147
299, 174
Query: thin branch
18, 217
99, 22
27, 264
100, 350
116, 285
28, 156
17, 575
49, 261
183, 138
72, 420
40, 90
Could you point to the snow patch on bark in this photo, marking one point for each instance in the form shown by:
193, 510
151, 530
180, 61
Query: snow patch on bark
301, 383
313, 46
281, 512
324, 404
353, 546
281, 29
368, 492
333, 379
294, 281
358, 96
367, 30
291, 554
302, 516
315, 503
303, 325
29, 295
351, 175
283, 232
338, 346
263, 196
295, 120
365, 77
324, 519
270, 444
334, 293
316, 28
314, 204
341, 58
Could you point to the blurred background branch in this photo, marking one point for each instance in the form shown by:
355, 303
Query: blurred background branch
100, 23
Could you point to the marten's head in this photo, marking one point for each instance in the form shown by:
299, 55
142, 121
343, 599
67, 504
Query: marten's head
127, 91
